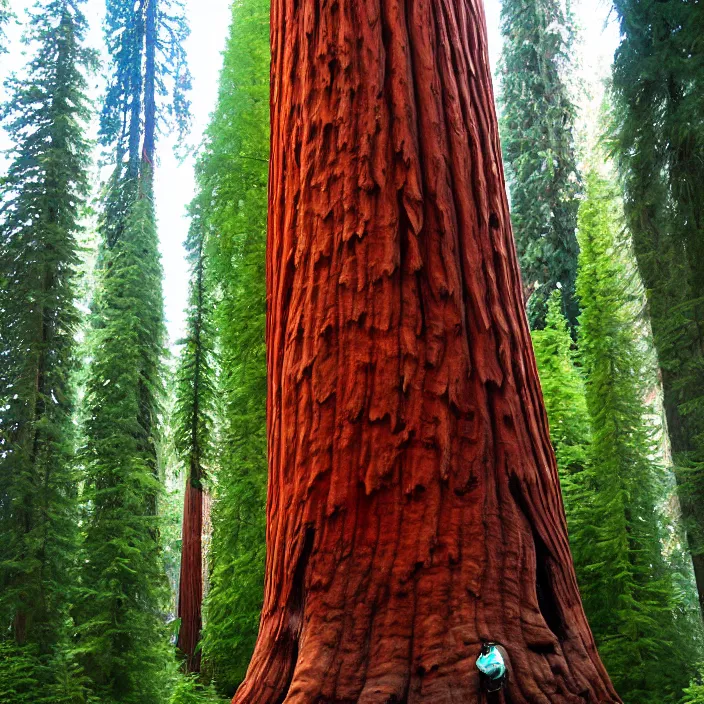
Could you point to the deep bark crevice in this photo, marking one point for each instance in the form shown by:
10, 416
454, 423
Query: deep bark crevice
288, 643
297, 598
548, 602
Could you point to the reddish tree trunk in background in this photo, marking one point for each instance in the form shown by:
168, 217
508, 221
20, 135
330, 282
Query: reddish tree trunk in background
190, 595
414, 509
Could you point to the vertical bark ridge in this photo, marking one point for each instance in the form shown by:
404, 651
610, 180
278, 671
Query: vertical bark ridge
407, 433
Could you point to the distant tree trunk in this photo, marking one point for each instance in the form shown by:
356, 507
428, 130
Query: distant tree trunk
194, 395
151, 34
190, 596
414, 509
136, 84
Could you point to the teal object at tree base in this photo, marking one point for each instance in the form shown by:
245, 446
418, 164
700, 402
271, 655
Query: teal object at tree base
492, 665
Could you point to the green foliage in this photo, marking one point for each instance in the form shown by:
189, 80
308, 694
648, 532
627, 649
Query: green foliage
565, 400
148, 88
694, 694
188, 690
642, 629
195, 378
233, 190
123, 645
4, 17
563, 388
43, 194
658, 87
21, 673
537, 132
27, 677
170, 524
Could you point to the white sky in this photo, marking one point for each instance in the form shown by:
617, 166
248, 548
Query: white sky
209, 20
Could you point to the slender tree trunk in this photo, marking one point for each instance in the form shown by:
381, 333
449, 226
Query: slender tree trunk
146, 191
414, 510
190, 596
151, 34
136, 84
190, 602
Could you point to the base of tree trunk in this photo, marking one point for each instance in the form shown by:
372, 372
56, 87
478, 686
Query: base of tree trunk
403, 620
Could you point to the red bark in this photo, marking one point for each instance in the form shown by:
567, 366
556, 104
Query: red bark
190, 596
414, 509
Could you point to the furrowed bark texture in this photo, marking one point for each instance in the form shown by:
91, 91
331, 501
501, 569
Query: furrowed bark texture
190, 595
414, 509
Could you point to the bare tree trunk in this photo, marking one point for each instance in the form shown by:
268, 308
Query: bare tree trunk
190, 596
414, 510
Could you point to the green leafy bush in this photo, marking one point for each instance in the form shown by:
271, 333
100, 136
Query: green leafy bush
188, 690
28, 677
694, 694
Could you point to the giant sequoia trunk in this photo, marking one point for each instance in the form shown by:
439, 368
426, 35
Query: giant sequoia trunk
414, 510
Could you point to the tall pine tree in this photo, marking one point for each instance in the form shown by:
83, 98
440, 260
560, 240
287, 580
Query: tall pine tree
537, 134
43, 195
121, 613
565, 402
233, 181
659, 108
124, 589
627, 586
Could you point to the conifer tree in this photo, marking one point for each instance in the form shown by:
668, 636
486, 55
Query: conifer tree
43, 195
659, 136
123, 641
537, 132
565, 402
195, 403
627, 586
121, 613
233, 182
